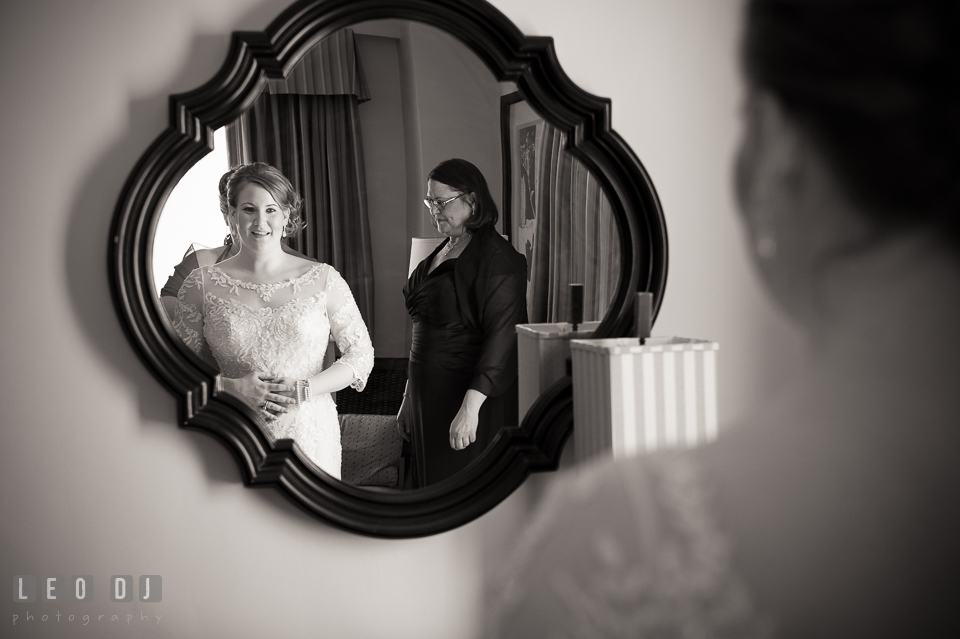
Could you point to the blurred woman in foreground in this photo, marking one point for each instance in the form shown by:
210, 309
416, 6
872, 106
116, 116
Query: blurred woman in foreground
833, 511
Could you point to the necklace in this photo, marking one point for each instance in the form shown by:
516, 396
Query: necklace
452, 245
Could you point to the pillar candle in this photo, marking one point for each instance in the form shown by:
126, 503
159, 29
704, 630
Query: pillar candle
644, 315
576, 305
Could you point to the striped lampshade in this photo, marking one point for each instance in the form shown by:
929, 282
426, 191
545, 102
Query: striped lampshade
630, 398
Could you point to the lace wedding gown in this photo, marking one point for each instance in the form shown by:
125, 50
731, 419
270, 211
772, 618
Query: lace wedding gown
626, 549
279, 329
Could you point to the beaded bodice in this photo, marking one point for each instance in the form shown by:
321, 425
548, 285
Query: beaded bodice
279, 328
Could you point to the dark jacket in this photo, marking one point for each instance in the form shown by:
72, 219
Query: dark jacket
491, 280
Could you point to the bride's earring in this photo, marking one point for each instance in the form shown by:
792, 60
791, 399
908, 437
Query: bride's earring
766, 246
765, 243
233, 228
762, 210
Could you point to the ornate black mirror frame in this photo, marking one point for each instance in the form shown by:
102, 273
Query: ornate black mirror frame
253, 57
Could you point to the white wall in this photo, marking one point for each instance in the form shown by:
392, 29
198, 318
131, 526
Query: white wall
95, 476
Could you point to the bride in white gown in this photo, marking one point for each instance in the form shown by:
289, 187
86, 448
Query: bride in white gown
264, 319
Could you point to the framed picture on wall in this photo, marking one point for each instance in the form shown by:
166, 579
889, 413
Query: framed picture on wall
521, 129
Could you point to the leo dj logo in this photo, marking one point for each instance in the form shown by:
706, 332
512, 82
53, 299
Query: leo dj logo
80, 588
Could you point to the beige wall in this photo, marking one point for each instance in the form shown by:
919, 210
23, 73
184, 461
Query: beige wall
384, 157
459, 110
95, 476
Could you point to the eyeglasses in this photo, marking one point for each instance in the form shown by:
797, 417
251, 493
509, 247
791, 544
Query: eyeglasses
429, 202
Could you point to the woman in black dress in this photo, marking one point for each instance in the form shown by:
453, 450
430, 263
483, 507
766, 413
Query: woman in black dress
465, 301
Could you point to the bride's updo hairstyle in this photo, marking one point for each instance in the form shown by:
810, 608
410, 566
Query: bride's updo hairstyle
275, 183
224, 204
224, 183
876, 83
463, 176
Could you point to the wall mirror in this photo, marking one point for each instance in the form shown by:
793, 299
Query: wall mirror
422, 82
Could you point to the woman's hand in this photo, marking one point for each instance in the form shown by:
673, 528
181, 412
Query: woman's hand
273, 395
403, 420
463, 428
281, 420
281, 401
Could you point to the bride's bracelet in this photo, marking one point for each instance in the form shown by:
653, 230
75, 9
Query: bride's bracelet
303, 391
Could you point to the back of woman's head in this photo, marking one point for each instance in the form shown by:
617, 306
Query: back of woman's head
274, 182
465, 177
876, 83
225, 204
224, 183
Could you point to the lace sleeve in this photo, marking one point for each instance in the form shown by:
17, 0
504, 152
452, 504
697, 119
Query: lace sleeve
188, 318
348, 329
629, 549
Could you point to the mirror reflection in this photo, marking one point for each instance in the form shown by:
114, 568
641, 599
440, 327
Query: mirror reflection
357, 128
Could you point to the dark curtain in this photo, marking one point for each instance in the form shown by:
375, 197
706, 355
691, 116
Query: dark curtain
308, 126
576, 238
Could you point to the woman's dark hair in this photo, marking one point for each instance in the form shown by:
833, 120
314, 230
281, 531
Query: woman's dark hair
877, 85
271, 179
463, 176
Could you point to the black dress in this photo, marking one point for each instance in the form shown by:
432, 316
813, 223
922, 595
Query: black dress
455, 349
